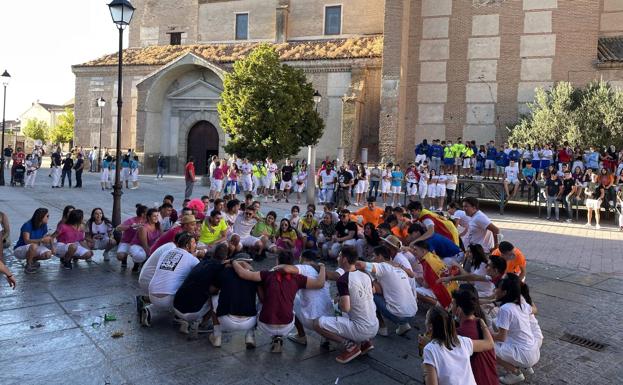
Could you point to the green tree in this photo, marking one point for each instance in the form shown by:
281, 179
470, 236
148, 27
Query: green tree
64, 130
267, 108
582, 117
36, 129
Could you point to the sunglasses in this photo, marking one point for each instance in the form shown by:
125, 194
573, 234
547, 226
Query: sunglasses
248, 214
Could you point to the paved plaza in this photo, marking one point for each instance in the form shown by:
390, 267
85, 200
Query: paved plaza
47, 333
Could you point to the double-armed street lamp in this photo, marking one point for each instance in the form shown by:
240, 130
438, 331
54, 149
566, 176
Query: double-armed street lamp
311, 161
101, 103
6, 78
121, 12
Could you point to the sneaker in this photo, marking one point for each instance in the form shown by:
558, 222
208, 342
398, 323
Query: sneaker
67, 265
215, 340
249, 339
30, 269
597, 227
401, 330
366, 347
184, 327
205, 328
351, 352
301, 340
569, 220
140, 304
383, 331
512, 378
587, 225
145, 317
527, 371
548, 218
276, 345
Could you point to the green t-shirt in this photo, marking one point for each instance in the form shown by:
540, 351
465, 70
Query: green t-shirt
458, 149
208, 236
448, 152
262, 227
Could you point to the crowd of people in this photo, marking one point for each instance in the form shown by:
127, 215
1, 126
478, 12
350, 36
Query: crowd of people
197, 267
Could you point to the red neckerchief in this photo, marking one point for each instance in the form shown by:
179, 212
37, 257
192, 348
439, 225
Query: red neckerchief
281, 274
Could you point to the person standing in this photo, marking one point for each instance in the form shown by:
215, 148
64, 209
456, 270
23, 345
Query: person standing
189, 176
554, 187
78, 168
345, 181
481, 230
93, 160
8, 152
68, 164
161, 165
55, 173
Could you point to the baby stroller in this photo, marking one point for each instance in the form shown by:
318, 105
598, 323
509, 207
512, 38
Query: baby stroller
18, 175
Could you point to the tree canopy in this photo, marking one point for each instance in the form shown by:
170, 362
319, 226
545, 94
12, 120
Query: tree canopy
36, 129
267, 108
64, 130
581, 116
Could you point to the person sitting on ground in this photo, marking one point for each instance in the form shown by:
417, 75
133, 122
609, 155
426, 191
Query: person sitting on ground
266, 231
309, 305
345, 235
232, 209
129, 228
394, 299
276, 316
6, 231
169, 199
245, 222
515, 259
187, 223
324, 234
294, 217
308, 226
147, 273
145, 237
171, 271
516, 348
34, 243
495, 271
7, 273
213, 232
373, 239
70, 237
99, 232
467, 309
164, 216
355, 331
476, 262
192, 301
371, 213
287, 238
445, 249
66, 210
446, 358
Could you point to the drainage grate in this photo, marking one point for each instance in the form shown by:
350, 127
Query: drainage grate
584, 342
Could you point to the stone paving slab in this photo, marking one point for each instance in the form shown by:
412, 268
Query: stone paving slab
46, 332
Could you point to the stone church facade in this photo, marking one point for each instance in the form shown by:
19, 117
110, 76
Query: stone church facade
391, 72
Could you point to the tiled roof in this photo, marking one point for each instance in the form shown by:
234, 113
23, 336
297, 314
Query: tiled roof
610, 49
347, 48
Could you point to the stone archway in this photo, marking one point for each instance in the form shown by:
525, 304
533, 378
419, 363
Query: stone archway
202, 144
189, 123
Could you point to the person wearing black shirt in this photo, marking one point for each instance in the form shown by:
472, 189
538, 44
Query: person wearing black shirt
68, 164
286, 179
192, 299
344, 182
235, 306
554, 188
78, 167
345, 235
567, 187
8, 152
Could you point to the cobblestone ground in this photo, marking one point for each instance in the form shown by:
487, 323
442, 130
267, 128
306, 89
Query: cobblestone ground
47, 336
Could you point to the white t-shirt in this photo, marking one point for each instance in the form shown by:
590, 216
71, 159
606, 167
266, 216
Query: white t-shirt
272, 169
511, 172
358, 286
453, 366
171, 271
478, 233
397, 289
242, 226
516, 320
313, 303
452, 181
547, 155
328, 180
246, 168
485, 289
386, 176
149, 267
462, 218
408, 261
442, 179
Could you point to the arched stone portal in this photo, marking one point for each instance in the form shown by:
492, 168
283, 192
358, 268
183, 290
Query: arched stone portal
202, 144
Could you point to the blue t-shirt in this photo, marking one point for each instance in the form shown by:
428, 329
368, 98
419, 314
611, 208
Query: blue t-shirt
436, 151
421, 149
397, 178
502, 159
514, 155
34, 233
442, 246
528, 173
593, 160
492, 153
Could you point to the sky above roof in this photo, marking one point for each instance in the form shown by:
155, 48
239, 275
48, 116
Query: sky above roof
41, 39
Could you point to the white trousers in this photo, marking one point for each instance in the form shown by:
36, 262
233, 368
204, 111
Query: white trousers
30, 178
56, 176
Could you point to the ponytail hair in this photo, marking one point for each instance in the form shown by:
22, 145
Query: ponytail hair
443, 328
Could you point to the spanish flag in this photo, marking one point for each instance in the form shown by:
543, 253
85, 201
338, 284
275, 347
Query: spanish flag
443, 226
434, 268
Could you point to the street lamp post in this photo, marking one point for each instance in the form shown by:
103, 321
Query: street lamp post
311, 162
5, 82
100, 103
121, 12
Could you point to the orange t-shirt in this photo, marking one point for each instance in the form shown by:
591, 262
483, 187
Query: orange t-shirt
513, 266
371, 216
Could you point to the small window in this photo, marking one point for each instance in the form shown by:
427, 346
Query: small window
176, 38
242, 26
333, 20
